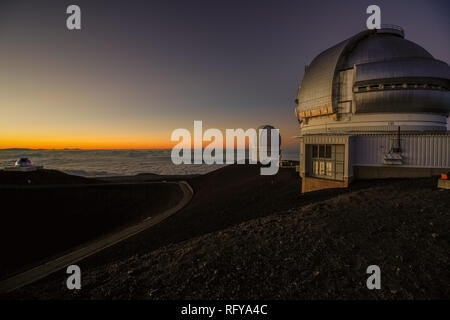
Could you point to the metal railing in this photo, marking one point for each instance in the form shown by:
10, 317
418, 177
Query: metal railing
394, 27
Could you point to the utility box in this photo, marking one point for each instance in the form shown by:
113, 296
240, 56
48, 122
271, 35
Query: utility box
444, 184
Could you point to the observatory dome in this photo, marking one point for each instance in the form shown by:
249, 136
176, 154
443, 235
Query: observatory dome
382, 46
374, 81
268, 133
23, 163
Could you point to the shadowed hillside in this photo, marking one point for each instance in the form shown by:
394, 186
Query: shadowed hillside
57, 213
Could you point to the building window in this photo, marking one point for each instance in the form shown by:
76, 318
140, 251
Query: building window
329, 169
328, 152
314, 151
322, 168
321, 151
327, 161
316, 168
399, 86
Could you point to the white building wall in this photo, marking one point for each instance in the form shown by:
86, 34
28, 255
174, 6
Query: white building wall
426, 151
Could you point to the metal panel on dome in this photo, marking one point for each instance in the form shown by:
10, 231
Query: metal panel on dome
315, 91
385, 47
318, 85
402, 68
406, 101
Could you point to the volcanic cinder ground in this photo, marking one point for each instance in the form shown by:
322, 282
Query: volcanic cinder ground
247, 236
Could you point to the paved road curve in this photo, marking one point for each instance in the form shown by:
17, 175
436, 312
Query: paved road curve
52, 266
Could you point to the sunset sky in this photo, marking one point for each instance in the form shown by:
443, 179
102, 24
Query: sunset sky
140, 69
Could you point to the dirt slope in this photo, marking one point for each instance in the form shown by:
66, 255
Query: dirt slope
316, 251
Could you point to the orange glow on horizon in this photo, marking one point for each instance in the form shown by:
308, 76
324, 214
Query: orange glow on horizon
85, 143
49, 142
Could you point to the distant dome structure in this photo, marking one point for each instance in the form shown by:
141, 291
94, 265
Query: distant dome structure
366, 97
268, 138
269, 129
23, 163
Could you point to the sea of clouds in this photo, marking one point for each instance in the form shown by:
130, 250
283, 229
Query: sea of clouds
97, 163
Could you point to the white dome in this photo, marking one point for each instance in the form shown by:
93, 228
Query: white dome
23, 163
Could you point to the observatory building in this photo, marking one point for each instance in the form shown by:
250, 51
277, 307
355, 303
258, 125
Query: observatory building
373, 106
23, 164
